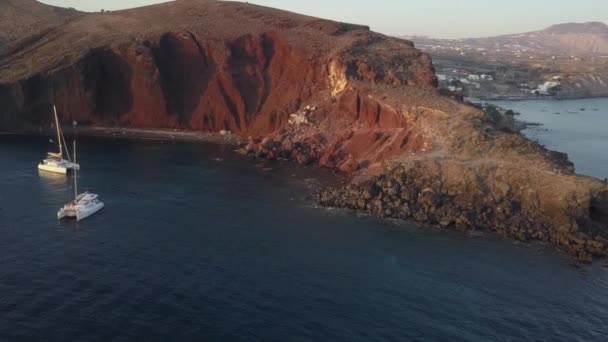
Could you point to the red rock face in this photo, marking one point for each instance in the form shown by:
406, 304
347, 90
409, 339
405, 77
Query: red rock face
357, 130
247, 80
249, 86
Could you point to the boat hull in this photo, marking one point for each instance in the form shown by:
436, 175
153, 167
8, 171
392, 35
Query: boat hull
62, 214
54, 169
58, 166
79, 211
90, 210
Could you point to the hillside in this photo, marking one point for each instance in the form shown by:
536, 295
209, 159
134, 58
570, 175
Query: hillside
576, 39
311, 90
585, 39
178, 58
525, 65
580, 39
22, 18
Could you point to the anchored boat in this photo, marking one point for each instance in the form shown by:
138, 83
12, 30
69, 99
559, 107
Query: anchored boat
54, 161
83, 205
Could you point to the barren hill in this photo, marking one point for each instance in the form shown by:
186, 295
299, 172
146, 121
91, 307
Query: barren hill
582, 39
21, 18
311, 90
573, 38
521, 63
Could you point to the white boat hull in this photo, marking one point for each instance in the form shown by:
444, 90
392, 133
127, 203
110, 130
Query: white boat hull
58, 166
51, 168
84, 206
90, 210
54, 161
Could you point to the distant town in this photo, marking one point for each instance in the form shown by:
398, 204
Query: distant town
548, 63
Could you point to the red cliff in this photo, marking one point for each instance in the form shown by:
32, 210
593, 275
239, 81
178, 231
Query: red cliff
204, 65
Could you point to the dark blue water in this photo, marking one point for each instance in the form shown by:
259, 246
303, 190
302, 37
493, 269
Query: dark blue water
193, 248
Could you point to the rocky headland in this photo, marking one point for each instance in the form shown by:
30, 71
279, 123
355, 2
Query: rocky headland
311, 90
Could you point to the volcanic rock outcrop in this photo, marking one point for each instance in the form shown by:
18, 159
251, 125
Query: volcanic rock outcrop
312, 90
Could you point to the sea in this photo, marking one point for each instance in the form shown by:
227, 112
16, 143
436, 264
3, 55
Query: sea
576, 127
198, 243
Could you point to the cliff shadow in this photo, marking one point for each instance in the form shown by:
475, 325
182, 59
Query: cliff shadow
36, 106
185, 72
107, 82
9, 118
249, 64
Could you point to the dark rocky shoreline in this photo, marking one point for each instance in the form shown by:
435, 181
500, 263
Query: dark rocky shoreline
405, 195
416, 194
549, 204
516, 98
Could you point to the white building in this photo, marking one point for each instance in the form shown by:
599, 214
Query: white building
545, 88
454, 89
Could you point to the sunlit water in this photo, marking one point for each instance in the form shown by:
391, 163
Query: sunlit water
577, 127
192, 247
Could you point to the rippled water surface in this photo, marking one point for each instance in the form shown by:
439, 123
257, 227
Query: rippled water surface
191, 247
577, 127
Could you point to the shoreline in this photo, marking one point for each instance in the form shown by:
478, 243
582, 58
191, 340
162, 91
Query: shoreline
407, 193
155, 134
547, 98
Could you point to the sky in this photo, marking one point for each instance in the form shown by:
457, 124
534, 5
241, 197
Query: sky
435, 18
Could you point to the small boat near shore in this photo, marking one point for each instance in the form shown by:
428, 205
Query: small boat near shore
55, 161
83, 205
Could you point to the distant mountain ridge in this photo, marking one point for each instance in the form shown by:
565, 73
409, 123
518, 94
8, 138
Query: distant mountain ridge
570, 38
594, 27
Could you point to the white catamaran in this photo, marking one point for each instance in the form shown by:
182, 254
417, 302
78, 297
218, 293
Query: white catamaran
83, 205
55, 162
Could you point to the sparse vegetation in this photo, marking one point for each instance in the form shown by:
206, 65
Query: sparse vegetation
503, 120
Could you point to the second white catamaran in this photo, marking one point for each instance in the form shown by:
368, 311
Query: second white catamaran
83, 205
54, 161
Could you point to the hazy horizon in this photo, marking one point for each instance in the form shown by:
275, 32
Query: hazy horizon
433, 18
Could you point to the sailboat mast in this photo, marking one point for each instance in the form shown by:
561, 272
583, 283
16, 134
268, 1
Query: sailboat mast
75, 174
58, 132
